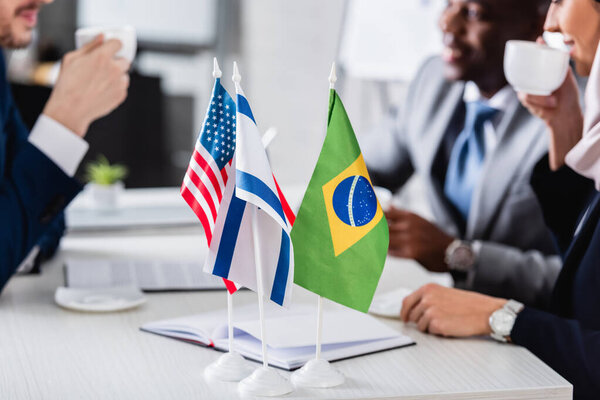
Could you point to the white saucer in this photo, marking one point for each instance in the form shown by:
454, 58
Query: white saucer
389, 304
99, 300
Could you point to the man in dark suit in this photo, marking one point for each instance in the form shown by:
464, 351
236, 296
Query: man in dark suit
37, 167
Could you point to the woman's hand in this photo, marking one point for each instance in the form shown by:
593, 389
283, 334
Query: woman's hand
562, 114
449, 312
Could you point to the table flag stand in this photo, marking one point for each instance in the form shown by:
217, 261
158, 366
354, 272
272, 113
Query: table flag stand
231, 366
265, 381
318, 373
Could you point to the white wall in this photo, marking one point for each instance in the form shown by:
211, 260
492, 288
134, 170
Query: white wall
287, 50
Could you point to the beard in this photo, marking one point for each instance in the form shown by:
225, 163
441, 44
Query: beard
9, 40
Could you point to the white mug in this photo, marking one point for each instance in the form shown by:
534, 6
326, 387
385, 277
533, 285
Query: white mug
534, 68
125, 34
384, 196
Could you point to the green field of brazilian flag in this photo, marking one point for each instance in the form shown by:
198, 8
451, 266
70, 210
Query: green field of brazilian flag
340, 236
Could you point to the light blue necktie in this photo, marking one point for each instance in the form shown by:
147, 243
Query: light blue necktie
467, 157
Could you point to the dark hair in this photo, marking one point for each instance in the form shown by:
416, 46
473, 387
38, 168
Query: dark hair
544, 5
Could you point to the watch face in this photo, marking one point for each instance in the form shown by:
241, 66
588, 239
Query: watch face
502, 322
462, 258
463, 255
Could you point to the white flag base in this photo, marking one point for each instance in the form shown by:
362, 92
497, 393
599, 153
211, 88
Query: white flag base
265, 381
318, 374
230, 367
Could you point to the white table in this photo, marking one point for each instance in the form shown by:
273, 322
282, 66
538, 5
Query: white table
50, 353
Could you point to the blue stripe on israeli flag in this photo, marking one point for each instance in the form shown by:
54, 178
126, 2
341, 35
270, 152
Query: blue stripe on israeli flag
244, 108
229, 240
255, 186
282, 271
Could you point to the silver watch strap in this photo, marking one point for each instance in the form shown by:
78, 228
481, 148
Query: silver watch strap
514, 306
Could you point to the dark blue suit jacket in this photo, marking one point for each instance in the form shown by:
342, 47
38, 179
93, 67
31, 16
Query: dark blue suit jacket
33, 190
568, 337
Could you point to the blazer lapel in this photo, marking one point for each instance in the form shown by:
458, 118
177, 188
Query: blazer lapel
3, 139
562, 291
499, 170
445, 112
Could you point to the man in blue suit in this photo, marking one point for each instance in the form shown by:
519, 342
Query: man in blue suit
37, 167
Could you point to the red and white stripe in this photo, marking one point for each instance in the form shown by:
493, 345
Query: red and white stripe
202, 189
203, 186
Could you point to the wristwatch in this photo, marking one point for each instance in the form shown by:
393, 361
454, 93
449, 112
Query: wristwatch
460, 256
503, 320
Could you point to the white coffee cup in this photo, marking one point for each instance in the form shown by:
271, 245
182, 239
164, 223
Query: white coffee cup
384, 196
534, 68
125, 34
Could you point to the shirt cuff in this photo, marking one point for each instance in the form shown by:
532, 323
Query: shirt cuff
28, 263
59, 144
470, 279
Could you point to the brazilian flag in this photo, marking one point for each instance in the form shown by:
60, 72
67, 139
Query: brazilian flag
340, 236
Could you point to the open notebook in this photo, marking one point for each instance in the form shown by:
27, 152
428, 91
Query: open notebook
290, 333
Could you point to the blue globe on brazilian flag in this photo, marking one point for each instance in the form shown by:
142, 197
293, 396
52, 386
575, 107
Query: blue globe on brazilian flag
352, 208
340, 235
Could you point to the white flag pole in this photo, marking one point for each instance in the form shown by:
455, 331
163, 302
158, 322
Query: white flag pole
259, 285
216, 70
230, 321
332, 80
332, 77
264, 381
318, 373
231, 366
217, 74
319, 327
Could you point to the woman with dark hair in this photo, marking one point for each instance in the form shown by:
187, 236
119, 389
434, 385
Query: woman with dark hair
566, 337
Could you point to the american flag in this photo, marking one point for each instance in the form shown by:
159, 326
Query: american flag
254, 221
207, 174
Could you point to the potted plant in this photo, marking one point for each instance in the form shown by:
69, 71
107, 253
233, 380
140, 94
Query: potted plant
105, 182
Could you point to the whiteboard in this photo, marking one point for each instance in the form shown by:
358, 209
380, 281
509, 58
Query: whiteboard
188, 22
389, 39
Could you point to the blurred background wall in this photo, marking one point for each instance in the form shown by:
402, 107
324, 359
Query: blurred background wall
284, 50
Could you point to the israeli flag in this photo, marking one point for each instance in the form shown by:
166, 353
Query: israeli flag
251, 187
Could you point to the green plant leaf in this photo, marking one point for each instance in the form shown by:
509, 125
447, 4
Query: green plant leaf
103, 173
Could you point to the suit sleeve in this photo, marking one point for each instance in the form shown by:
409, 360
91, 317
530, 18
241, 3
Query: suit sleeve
387, 156
565, 345
385, 149
526, 276
33, 192
529, 276
563, 196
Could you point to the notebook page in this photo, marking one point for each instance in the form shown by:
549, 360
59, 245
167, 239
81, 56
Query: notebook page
342, 325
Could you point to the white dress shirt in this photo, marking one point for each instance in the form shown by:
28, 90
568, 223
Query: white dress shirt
501, 101
59, 144
65, 149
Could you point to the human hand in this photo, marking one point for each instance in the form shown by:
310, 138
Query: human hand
450, 312
91, 84
416, 238
562, 114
